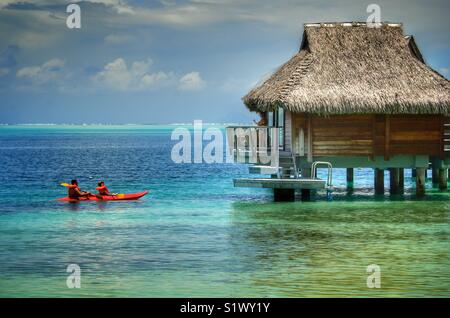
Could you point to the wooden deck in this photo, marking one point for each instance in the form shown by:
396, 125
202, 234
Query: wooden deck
273, 183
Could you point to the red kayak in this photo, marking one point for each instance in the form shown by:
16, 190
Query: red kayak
117, 197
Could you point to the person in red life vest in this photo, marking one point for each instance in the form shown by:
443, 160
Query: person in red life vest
75, 192
102, 189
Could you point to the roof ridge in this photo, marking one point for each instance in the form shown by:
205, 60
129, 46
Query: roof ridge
351, 24
299, 72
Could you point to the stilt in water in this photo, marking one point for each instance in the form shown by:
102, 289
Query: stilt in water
443, 178
379, 181
394, 180
420, 182
435, 175
413, 173
349, 179
401, 180
306, 194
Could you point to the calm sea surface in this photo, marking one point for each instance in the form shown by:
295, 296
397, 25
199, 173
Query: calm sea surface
196, 235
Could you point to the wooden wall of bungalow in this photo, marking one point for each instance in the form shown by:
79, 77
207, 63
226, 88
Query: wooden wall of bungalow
366, 135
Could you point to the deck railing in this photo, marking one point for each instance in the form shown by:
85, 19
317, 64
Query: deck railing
254, 144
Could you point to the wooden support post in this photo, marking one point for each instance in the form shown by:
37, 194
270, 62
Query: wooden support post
283, 195
443, 175
435, 175
306, 194
394, 180
379, 181
401, 180
420, 182
349, 178
413, 173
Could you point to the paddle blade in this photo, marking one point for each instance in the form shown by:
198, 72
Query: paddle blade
65, 184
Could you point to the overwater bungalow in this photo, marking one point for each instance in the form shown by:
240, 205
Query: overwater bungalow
353, 96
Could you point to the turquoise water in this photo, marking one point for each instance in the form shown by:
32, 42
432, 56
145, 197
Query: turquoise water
195, 235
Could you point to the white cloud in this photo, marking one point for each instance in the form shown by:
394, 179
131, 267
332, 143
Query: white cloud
120, 6
49, 71
31, 28
115, 75
194, 13
119, 76
4, 71
288, 13
137, 76
191, 82
140, 68
4, 3
150, 80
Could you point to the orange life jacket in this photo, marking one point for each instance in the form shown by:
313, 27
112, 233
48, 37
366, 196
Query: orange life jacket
102, 189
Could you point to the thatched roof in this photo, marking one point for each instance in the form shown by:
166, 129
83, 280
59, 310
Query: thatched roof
344, 68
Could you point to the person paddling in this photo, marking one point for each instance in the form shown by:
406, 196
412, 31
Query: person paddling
102, 189
75, 192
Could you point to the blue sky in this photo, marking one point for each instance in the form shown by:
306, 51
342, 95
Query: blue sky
170, 61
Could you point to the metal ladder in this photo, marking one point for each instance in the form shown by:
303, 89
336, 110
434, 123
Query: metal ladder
329, 183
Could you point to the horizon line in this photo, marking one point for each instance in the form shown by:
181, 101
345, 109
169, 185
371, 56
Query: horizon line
118, 124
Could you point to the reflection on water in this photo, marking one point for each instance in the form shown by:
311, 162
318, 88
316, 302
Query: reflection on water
102, 205
323, 249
